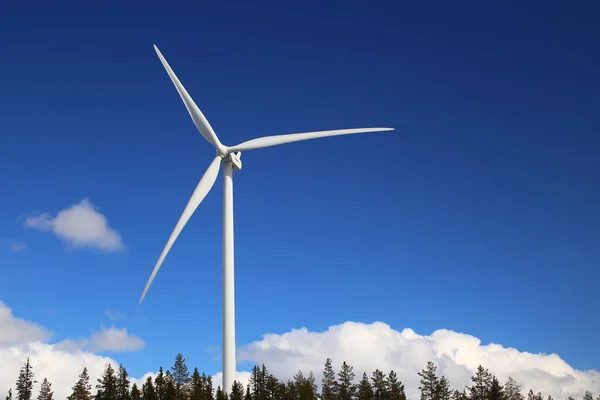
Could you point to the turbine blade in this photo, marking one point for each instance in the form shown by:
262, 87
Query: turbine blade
206, 183
275, 140
199, 119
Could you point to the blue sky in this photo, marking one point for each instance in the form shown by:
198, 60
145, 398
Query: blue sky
478, 214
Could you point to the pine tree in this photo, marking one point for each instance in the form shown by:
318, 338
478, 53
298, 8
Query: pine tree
220, 395
148, 392
328, 383
160, 384
496, 391
365, 391
458, 395
248, 395
302, 388
170, 390
25, 382
135, 394
588, 395
380, 388
208, 387
82, 390
106, 388
196, 386
123, 384
9, 395
46, 391
272, 388
442, 391
346, 389
395, 388
512, 390
429, 382
181, 377
237, 391
481, 384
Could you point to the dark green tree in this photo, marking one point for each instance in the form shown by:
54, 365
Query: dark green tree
272, 388
346, 389
496, 391
365, 391
458, 395
106, 388
170, 391
160, 384
148, 392
237, 391
196, 386
328, 383
25, 382
395, 388
380, 387
512, 390
248, 394
135, 394
220, 394
429, 382
45, 391
123, 384
207, 384
82, 390
302, 388
482, 381
181, 377
442, 391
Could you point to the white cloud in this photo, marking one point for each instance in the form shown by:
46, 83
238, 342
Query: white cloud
80, 225
61, 362
365, 346
457, 355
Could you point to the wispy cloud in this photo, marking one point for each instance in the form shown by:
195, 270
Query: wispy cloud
80, 225
17, 246
114, 315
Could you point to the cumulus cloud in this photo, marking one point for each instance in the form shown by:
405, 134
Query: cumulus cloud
365, 346
60, 362
80, 225
377, 345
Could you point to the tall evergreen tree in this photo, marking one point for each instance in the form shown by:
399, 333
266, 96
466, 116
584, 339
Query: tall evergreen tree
512, 390
496, 391
303, 388
160, 384
429, 382
458, 395
207, 384
9, 395
220, 395
181, 377
482, 381
248, 394
442, 391
170, 391
328, 382
365, 391
196, 386
123, 384
588, 395
148, 392
272, 388
25, 382
106, 388
395, 388
237, 391
82, 390
346, 389
46, 391
380, 387
135, 394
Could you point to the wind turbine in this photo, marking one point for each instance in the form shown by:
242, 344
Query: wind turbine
230, 157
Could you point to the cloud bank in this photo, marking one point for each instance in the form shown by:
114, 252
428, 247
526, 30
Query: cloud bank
79, 226
365, 346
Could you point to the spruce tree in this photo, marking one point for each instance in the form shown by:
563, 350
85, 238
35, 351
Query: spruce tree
395, 388
181, 377
482, 381
237, 391
160, 384
208, 386
512, 390
380, 388
272, 388
429, 382
135, 394
458, 395
346, 389
328, 383
148, 392
496, 391
170, 390
220, 394
248, 395
442, 391
588, 395
106, 388
24, 386
365, 391
46, 391
123, 384
196, 386
303, 388
82, 390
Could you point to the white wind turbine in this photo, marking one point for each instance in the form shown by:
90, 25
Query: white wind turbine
230, 157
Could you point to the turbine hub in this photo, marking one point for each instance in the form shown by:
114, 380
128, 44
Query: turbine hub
234, 158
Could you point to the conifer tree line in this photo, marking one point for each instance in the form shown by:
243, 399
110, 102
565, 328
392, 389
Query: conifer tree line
179, 384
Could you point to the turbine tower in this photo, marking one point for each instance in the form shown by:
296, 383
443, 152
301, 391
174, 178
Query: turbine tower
230, 158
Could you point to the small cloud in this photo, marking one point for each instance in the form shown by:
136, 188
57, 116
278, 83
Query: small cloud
114, 315
70, 345
17, 246
16, 331
80, 225
115, 339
